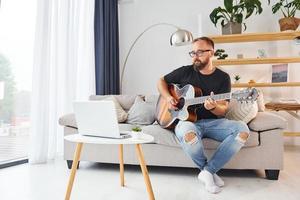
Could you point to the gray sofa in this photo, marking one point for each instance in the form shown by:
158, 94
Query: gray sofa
263, 150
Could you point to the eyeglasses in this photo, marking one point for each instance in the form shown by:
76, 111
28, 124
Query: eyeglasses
198, 53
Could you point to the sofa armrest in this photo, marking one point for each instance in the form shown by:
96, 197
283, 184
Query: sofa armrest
267, 121
68, 120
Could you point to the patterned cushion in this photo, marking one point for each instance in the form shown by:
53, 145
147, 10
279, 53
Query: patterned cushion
245, 111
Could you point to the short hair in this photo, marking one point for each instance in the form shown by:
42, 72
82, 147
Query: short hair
206, 39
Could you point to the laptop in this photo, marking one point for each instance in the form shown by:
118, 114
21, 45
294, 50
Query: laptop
98, 118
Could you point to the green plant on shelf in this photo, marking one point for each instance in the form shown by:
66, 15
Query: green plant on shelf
235, 11
221, 54
237, 78
288, 8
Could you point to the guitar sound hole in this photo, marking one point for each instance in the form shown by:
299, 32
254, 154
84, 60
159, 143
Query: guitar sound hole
181, 103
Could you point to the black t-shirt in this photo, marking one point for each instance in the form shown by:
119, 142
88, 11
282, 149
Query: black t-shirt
217, 82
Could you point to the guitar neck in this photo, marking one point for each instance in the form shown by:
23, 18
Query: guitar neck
200, 100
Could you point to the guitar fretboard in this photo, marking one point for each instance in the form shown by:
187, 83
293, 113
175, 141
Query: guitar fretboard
200, 100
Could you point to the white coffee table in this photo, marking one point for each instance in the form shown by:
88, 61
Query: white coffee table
80, 140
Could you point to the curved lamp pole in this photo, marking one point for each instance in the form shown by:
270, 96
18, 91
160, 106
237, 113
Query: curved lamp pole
179, 38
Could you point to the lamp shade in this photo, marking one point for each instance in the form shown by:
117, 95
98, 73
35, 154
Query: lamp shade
181, 37
1, 90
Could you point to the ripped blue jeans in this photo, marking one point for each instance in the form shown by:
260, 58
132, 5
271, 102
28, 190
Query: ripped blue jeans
222, 130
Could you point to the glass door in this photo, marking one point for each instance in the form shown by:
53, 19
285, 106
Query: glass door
17, 25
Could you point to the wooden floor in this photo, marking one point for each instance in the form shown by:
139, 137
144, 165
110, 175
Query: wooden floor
13, 148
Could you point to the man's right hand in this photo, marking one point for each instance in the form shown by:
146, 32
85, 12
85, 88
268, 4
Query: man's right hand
172, 102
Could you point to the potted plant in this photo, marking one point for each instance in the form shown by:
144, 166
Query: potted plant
237, 78
221, 54
234, 13
136, 132
288, 9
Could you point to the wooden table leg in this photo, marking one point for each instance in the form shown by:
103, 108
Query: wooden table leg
121, 164
73, 170
145, 171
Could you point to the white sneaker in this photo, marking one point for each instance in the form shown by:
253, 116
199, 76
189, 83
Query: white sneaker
218, 181
208, 180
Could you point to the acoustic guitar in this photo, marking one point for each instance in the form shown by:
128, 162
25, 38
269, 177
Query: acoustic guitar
189, 98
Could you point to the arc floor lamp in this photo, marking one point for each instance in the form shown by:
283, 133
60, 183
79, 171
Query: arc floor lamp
179, 38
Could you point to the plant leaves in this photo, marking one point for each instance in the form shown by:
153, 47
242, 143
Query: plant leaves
239, 18
228, 4
216, 15
245, 27
276, 7
249, 12
213, 16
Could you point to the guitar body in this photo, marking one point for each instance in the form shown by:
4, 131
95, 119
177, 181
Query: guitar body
168, 118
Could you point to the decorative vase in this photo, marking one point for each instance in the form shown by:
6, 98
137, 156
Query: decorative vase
232, 28
136, 134
289, 23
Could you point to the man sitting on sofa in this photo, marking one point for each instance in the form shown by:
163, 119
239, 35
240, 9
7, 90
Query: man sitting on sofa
211, 122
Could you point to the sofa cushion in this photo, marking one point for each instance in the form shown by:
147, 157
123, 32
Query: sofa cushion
260, 101
126, 101
167, 137
151, 98
161, 136
141, 112
241, 111
68, 120
267, 121
121, 114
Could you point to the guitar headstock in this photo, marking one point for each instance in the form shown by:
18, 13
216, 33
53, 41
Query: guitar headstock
246, 95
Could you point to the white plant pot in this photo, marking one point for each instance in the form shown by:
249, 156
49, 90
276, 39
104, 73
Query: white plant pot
136, 135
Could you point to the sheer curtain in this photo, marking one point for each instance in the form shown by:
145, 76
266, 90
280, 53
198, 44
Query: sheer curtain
63, 71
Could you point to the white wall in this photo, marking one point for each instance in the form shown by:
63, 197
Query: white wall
153, 57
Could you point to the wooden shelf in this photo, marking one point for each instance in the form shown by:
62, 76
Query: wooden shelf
291, 134
246, 61
283, 84
255, 37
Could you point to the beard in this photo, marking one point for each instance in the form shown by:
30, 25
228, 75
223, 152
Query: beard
199, 65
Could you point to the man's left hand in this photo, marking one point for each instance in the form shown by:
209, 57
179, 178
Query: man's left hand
209, 103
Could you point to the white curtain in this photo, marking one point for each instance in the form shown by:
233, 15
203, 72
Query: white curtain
63, 70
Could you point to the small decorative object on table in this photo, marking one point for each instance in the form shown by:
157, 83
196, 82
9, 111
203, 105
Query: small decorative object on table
237, 78
240, 56
261, 53
221, 54
136, 132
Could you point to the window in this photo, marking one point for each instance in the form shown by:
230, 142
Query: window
17, 25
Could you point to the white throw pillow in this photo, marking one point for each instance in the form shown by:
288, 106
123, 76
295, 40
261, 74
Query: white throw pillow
121, 114
141, 112
242, 111
260, 101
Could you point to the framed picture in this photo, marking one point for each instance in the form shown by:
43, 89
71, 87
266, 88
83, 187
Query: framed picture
279, 73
